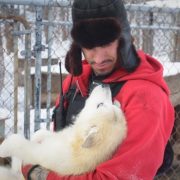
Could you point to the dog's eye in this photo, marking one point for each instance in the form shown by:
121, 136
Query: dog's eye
100, 104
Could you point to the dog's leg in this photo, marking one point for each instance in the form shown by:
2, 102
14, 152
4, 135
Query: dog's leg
31, 152
11, 145
16, 165
17, 146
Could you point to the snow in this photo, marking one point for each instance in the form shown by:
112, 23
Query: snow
165, 3
171, 68
54, 69
4, 113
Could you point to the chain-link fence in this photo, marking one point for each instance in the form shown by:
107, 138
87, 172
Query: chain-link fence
34, 37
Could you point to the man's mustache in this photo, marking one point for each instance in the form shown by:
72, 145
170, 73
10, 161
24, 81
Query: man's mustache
103, 62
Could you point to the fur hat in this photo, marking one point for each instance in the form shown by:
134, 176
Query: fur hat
97, 23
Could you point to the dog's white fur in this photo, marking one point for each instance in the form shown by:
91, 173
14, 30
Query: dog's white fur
93, 138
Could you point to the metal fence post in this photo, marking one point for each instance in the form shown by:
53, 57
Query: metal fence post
37, 52
28, 85
148, 36
27, 64
177, 41
15, 78
50, 41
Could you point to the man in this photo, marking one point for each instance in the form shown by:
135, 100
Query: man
101, 33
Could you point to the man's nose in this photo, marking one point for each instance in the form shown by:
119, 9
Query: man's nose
99, 55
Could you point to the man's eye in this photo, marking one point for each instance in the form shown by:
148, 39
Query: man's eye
100, 104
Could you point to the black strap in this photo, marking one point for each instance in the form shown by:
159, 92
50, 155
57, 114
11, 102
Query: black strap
167, 160
58, 114
116, 87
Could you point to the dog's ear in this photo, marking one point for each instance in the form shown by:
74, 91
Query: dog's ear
91, 138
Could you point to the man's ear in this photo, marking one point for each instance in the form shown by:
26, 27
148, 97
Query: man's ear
91, 138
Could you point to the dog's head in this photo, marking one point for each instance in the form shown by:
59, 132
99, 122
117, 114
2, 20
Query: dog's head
100, 104
99, 96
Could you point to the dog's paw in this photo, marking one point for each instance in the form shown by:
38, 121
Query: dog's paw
4, 149
4, 152
10, 144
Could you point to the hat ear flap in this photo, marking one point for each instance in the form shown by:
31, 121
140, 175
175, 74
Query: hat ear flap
127, 55
73, 60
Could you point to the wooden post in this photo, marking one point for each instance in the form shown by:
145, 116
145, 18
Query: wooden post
2, 126
148, 37
177, 40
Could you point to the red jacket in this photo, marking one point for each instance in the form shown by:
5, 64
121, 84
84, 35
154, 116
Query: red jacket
149, 113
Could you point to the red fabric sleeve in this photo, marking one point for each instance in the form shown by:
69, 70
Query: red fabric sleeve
25, 169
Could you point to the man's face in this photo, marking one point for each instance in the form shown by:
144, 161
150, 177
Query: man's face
102, 59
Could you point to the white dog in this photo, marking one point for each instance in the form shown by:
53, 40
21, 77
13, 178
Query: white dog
98, 130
